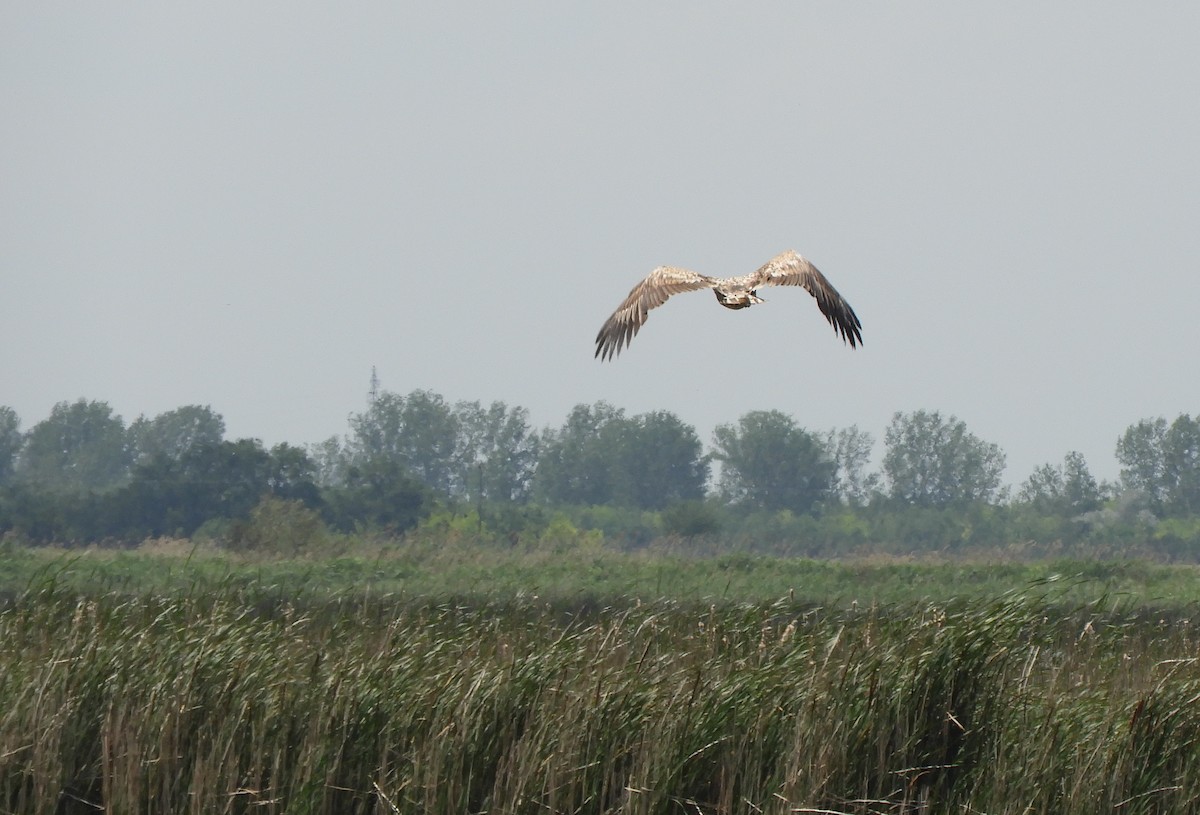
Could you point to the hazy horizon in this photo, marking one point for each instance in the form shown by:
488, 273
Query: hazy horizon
250, 206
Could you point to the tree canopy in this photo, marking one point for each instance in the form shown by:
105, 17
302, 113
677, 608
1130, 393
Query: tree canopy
173, 433
80, 446
769, 462
601, 456
82, 475
933, 461
1066, 489
10, 442
1163, 462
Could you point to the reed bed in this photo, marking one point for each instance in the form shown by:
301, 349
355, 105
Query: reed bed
244, 703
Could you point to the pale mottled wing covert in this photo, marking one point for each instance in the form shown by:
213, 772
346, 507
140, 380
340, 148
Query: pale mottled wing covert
620, 328
792, 269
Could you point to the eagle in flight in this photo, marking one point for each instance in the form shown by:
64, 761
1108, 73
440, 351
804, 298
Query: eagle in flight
787, 269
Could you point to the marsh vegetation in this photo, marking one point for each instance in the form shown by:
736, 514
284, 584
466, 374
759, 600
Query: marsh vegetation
245, 696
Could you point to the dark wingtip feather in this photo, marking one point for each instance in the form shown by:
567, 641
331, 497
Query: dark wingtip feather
608, 342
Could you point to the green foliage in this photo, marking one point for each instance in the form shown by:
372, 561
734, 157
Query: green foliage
634, 480
446, 525
769, 462
956, 531
292, 475
1068, 489
330, 462
574, 467
222, 480
502, 525
1140, 453
600, 456
1163, 462
934, 462
691, 519
464, 451
80, 446
379, 493
510, 522
498, 452
281, 526
164, 496
656, 460
32, 513
850, 449
417, 434
11, 440
626, 528
1178, 539
173, 433
561, 536
1182, 464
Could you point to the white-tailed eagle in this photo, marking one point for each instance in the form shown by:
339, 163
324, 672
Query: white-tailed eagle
787, 269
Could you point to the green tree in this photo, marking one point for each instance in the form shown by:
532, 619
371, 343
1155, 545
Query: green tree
10, 442
690, 519
932, 461
330, 461
851, 450
208, 481
280, 526
769, 462
1163, 462
175, 432
418, 432
1143, 465
293, 475
377, 494
1066, 489
656, 460
80, 446
1181, 453
37, 513
574, 466
497, 452
600, 456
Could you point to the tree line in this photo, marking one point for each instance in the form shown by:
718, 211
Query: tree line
82, 474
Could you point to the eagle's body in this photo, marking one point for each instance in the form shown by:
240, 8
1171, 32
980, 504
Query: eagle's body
787, 269
735, 292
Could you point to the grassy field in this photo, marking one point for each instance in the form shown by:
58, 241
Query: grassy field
579, 575
180, 680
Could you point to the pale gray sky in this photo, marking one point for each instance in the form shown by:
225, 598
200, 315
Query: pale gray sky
250, 204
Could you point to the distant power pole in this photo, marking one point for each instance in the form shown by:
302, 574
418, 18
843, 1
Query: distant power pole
373, 393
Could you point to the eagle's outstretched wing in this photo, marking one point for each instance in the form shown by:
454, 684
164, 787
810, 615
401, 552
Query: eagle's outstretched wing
652, 292
792, 269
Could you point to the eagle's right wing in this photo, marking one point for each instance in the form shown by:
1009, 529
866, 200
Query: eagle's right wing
793, 269
652, 292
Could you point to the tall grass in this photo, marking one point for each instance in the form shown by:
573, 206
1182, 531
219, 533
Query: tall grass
242, 702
